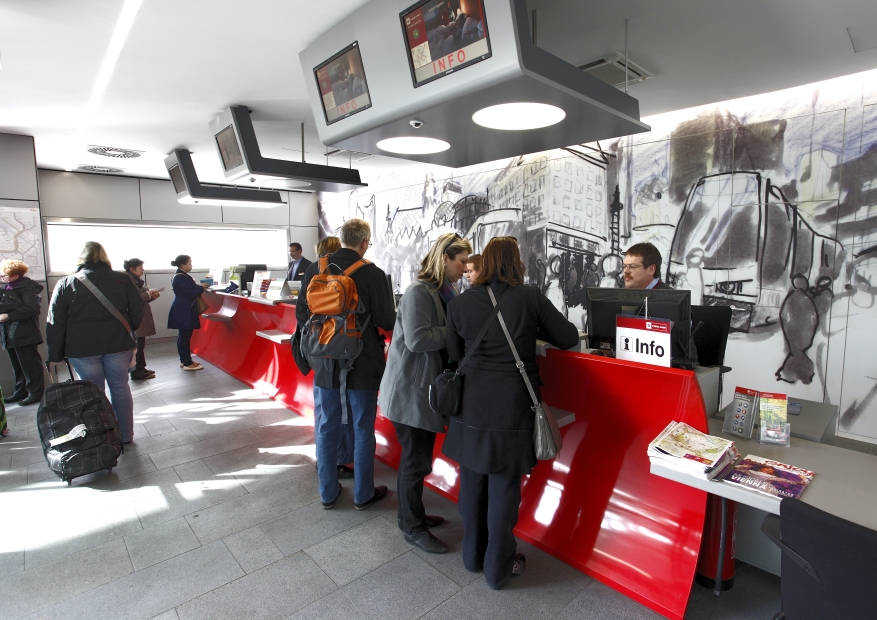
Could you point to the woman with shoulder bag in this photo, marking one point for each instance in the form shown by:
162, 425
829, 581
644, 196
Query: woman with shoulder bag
95, 334
185, 314
492, 438
134, 269
417, 354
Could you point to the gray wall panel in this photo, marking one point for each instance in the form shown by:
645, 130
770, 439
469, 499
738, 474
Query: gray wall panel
66, 194
278, 216
307, 236
18, 179
303, 209
159, 202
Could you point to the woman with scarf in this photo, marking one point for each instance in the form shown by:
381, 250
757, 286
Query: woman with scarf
134, 269
417, 354
20, 333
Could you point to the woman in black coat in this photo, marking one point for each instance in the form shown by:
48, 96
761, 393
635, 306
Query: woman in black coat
185, 315
20, 333
492, 438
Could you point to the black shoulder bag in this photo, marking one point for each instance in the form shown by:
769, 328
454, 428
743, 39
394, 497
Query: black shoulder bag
446, 390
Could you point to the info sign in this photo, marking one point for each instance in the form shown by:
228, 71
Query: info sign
643, 340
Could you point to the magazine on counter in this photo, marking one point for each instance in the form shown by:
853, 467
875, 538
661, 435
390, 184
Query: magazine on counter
686, 449
769, 477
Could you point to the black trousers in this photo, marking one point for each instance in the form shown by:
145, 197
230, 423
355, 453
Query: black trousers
489, 509
28, 368
414, 465
184, 347
141, 354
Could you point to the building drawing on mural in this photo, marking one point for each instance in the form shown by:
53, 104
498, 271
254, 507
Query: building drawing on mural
776, 218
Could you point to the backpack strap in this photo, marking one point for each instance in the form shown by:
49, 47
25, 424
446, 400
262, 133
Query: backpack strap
324, 264
355, 266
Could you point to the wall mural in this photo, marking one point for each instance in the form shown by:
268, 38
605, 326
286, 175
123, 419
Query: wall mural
766, 204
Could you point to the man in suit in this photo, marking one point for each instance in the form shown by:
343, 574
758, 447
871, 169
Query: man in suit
642, 267
297, 264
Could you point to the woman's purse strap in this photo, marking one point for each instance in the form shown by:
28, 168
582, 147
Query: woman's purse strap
480, 336
518, 363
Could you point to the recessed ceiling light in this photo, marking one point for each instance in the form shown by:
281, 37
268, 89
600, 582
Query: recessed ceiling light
413, 146
518, 116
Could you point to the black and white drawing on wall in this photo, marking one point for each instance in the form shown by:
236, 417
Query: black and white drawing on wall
766, 204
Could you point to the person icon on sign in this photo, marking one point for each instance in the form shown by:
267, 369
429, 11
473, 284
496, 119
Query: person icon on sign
627, 344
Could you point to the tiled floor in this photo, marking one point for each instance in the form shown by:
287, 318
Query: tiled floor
213, 513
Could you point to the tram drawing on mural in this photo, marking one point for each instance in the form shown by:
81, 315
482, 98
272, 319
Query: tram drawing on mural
775, 219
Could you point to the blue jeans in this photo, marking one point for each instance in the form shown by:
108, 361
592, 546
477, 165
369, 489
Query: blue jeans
345, 436
112, 368
327, 429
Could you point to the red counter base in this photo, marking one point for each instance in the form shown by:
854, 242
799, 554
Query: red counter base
596, 506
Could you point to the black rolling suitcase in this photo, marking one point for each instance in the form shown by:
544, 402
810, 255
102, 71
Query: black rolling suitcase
78, 429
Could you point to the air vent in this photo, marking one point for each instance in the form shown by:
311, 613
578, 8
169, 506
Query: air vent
102, 169
610, 69
111, 151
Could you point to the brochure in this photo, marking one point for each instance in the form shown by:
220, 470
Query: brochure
684, 448
769, 477
773, 425
740, 419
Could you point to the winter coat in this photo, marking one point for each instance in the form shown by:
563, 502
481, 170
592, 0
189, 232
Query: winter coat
79, 325
184, 308
147, 325
414, 359
22, 304
494, 432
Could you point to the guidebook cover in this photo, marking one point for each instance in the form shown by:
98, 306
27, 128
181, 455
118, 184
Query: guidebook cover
683, 441
769, 477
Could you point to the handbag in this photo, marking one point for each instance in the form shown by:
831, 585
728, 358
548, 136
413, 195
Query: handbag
547, 441
446, 390
202, 305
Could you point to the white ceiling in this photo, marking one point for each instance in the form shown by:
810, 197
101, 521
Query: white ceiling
185, 60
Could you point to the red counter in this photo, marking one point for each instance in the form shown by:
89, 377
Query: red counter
595, 506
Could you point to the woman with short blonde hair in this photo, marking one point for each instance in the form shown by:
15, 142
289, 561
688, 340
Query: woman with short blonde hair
328, 245
417, 354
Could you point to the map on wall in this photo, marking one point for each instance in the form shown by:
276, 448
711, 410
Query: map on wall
21, 238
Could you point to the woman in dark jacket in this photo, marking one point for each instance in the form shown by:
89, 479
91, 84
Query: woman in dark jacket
134, 269
20, 333
417, 354
492, 438
184, 315
83, 330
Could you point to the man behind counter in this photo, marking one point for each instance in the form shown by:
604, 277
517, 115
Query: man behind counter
642, 267
297, 264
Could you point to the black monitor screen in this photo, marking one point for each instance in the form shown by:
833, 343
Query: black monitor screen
342, 84
229, 151
605, 304
177, 179
443, 36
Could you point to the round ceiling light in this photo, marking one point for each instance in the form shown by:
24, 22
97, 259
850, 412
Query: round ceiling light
411, 145
518, 116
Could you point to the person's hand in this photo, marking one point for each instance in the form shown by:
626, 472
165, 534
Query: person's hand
4, 318
205, 285
154, 294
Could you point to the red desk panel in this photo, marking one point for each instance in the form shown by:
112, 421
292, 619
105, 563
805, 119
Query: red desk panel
596, 506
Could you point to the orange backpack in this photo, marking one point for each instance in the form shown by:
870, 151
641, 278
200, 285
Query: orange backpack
333, 331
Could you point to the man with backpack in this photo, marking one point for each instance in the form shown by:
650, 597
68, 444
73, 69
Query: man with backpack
346, 353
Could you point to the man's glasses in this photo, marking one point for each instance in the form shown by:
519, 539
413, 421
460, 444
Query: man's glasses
630, 267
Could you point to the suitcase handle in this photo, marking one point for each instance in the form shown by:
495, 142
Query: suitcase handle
69, 369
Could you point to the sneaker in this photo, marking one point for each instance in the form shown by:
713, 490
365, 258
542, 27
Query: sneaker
30, 400
14, 398
428, 521
426, 541
193, 366
139, 376
331, 505
380, 493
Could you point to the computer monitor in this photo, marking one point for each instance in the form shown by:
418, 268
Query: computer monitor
249, 272
605, 304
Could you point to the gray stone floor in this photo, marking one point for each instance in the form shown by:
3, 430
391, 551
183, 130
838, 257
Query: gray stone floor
213, 512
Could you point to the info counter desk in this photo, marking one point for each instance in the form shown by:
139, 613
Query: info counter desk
595, 506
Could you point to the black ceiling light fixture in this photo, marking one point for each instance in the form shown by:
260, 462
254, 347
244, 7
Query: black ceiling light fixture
190, 190
241, 158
